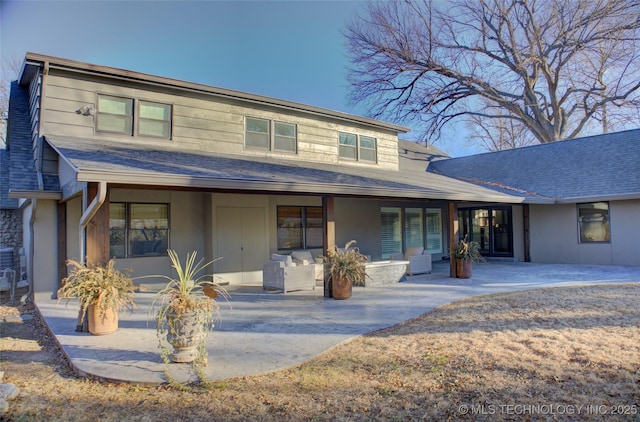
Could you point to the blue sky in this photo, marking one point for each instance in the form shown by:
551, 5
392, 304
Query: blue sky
292, 50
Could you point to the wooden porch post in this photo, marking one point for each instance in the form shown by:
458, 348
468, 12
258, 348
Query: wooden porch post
328, 234
453, 235
527, 239
97, 234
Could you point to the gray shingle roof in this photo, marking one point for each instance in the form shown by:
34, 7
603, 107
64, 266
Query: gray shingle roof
18, 168
5, 201
603, 166
118, 162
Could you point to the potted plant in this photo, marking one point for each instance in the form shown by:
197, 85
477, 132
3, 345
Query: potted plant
465, 253
102, 291
345, 268
188, 309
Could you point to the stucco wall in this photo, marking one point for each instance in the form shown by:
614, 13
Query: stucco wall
518, 232
186, 230
45, 246
625, 232
359, 220
554, 236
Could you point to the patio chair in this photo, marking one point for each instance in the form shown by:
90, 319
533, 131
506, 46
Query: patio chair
419, 260
281, 273
310, 257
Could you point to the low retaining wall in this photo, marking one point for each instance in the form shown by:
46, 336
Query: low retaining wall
382, 273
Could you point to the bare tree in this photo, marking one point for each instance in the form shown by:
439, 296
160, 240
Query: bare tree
554, 68
498, 133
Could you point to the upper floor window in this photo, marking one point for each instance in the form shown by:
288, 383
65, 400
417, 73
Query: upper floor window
357, 147
258, 134
116, 115
155, 119
593, 222
368, 149
348, 146
284, 137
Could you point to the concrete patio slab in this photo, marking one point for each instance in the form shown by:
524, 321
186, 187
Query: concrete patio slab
265, 331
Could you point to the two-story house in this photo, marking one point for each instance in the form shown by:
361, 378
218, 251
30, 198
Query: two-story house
109, 163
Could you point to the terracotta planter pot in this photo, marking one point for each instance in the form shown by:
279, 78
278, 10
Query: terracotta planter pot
185, 333
341, 288
102, 324
464, 268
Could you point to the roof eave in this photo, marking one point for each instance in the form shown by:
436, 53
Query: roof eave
34, 194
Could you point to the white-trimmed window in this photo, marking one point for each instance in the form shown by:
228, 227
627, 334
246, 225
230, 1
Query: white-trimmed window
348, 145
258, 134
154, 120
115, 114
357, 147
285, 137
137, 230
593, 222
368, 149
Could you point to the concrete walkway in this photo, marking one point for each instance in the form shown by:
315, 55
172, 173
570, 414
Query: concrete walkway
266, 331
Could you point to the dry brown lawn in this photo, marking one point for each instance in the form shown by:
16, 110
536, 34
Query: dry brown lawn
562, 353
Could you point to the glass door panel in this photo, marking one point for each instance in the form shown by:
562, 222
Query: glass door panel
490, 227
501, 224
480, 233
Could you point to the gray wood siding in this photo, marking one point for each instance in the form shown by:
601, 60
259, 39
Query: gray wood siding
202, 122
34, 108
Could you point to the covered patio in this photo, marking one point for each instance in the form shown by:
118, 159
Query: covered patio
265, 331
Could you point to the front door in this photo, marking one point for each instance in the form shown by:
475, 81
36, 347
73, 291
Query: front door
491, 227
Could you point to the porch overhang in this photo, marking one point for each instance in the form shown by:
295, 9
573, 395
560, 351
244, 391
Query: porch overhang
184, 181
117, 163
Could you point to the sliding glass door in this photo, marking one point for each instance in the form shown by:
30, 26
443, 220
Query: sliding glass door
403, 228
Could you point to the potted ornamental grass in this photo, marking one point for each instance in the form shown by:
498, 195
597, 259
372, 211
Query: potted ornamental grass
345, 267
465, 253
187, 309
102, 291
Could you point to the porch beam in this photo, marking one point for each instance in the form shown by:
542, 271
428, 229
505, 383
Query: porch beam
328, 234
453, 235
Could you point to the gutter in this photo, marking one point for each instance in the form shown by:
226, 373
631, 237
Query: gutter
599, 198
88, 214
